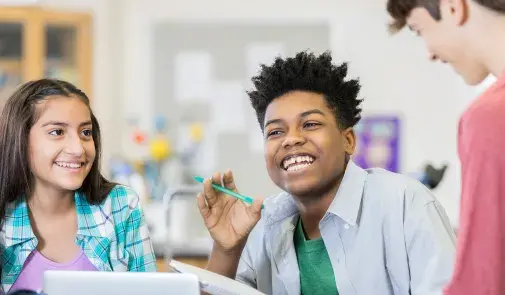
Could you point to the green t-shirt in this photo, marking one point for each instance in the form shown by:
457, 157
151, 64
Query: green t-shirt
316, 272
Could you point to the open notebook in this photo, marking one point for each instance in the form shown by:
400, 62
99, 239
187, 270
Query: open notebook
213, 283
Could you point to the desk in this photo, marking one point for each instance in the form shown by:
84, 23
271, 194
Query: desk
195, 261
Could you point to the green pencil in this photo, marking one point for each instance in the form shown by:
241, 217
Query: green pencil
246, 199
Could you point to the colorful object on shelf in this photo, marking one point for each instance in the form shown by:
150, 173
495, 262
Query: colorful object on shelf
160, 149
150, 159
196, 132
139, 137
160, 123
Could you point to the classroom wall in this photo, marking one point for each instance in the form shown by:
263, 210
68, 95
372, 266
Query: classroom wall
394, 71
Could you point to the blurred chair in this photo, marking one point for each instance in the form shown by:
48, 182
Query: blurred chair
187, 238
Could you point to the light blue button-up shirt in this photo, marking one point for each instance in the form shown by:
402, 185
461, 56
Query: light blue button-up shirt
384, 233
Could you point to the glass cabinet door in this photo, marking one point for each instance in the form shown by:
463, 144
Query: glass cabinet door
60, 53
11, 58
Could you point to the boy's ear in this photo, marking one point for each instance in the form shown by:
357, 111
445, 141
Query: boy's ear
454, 10
350, 141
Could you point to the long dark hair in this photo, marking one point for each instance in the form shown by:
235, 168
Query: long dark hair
18, 117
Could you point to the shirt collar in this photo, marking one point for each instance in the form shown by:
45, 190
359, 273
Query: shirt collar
17, 228
347, 201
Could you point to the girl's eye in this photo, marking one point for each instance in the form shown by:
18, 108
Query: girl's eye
56, 132
87, 132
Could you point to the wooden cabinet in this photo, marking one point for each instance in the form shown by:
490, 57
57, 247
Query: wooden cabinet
36, 42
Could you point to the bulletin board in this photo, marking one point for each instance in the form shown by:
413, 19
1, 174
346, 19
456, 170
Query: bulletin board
378, 142
201, 73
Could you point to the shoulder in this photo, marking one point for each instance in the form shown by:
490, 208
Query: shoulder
121, 196
404, 204
276, 209
16, 222
121, 202
279, 210
393, 190
484, 118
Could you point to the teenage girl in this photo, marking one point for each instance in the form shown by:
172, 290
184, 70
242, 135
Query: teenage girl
57, 211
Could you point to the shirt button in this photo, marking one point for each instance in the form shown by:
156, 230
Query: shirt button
346, 226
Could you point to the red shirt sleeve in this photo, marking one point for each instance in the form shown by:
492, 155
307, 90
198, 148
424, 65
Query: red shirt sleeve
480, 256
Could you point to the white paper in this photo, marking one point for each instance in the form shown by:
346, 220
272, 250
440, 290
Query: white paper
214, 283
228, 107
262, 53
193, 76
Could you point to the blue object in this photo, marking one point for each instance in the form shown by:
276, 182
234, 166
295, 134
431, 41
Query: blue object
160, 123
246, 199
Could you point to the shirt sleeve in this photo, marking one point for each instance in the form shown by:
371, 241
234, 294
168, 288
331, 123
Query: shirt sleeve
245, 272
138, 242
430, 243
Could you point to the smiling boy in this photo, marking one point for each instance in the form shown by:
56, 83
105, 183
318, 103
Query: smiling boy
337, 228
470, 36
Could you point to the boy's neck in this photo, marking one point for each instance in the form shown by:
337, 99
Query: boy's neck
313, 211
49, 201
489, 35
494, 52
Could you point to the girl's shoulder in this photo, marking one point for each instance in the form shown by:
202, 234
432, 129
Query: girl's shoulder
122, 195
121, 199
120, 203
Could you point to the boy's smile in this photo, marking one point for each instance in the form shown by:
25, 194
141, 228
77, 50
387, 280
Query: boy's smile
296, 162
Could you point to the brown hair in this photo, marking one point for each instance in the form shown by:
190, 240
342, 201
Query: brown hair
18, 117
399, 10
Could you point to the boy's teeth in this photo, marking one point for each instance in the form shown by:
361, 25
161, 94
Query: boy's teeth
298, 167
304, 160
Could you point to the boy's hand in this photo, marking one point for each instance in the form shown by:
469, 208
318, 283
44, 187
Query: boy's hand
228, 219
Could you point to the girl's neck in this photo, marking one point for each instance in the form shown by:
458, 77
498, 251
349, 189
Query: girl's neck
50, 201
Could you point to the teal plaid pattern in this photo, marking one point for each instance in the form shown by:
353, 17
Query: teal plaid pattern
113, 235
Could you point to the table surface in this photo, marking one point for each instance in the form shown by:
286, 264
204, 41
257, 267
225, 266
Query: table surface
201, 262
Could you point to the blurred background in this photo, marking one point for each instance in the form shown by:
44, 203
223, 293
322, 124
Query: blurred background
167, 81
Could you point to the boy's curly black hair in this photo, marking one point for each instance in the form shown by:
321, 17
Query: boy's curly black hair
311, 73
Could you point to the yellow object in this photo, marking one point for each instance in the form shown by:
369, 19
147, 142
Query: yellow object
160, 149
196, 132
138, 166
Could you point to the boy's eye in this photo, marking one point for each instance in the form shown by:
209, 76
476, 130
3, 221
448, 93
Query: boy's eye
56, 132
273, 133
310, 124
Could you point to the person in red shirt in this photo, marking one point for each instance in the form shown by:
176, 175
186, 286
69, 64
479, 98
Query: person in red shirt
470, 36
